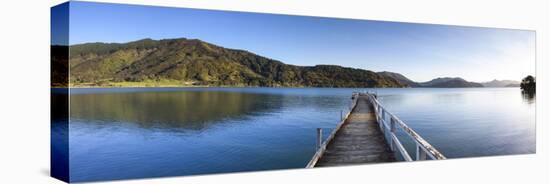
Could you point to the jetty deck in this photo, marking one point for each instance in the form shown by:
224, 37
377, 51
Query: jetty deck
367, 134
359, 140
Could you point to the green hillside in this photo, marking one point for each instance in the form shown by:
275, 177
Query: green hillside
192, 62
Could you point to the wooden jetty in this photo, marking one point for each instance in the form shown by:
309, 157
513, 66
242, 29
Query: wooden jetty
364, 136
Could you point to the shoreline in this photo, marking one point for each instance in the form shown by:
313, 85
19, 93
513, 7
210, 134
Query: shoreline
124, 87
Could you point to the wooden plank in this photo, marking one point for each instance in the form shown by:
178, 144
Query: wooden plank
321, 150
359, 140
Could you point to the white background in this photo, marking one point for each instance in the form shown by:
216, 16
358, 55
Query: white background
24, 95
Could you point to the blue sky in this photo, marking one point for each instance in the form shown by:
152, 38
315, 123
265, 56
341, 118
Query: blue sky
419, 51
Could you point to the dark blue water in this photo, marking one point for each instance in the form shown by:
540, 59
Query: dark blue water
150, 132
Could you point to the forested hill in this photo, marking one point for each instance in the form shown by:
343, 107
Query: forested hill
184, 62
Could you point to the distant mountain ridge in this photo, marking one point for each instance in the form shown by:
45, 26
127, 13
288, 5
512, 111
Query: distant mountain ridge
449, 82
501, 83
187, 62
443, 82
401, 78
184, 62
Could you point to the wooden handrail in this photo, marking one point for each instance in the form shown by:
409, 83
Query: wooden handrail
423, 148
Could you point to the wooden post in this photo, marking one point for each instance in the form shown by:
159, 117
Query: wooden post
381, 122
392, 125
420, 153
341, 115
392, 130
384, 129
319, 137
383, 113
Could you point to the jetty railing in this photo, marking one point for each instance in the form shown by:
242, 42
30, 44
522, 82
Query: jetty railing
322, 146
424, 150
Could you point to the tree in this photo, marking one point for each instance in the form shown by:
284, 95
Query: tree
528, 84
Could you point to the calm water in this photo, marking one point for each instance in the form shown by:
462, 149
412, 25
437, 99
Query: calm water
135, 133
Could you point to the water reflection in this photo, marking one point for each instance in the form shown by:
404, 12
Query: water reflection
272, 128
467, 122
528, 96
59, 133
59, 104
253, 128
189, 109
